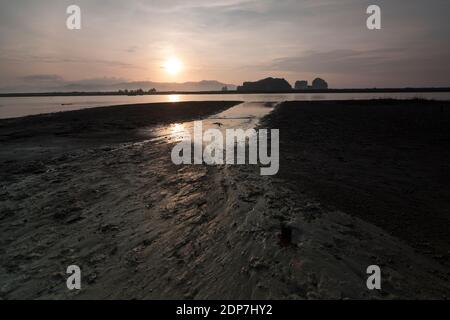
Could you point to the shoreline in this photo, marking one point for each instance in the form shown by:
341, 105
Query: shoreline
11, 108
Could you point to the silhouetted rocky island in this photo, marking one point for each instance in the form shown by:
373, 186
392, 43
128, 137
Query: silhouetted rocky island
264, 85
281, 85
301, 85
317, 84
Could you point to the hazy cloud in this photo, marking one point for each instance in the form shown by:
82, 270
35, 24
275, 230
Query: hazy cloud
52, 78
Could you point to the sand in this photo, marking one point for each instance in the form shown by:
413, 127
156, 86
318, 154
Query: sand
385, 161
142, 228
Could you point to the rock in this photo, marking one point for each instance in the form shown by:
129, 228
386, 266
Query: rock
301, 85
58, 276
264, 85
319, 84
91, 278
285, 236
108, 228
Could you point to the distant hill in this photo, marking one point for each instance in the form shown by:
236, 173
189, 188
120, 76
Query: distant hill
205, 85
99, 86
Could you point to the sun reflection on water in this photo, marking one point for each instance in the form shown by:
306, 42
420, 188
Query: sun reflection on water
177, 132
174, 98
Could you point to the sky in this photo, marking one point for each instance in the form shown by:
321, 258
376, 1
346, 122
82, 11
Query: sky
226, 40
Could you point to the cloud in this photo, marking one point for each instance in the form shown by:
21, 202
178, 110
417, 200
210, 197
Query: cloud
377, 67
341, 61
132, 49
42, 78
69, 60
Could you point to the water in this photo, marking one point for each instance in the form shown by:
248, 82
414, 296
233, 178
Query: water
24, 106
242, 116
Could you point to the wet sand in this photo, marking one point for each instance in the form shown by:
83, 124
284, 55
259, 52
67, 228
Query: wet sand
385, 161
140, 227
43, 135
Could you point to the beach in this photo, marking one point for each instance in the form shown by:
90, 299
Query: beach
360, 183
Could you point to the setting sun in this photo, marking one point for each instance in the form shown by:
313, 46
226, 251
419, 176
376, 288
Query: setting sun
173, 66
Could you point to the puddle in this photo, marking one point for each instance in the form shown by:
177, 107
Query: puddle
243, 116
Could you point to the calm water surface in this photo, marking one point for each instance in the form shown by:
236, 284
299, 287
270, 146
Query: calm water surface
25, 106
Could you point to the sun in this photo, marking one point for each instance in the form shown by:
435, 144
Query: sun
173, 66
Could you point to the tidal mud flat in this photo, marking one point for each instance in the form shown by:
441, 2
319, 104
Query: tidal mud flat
385, 161
104, 195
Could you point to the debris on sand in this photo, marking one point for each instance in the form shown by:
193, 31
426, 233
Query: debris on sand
285, 236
